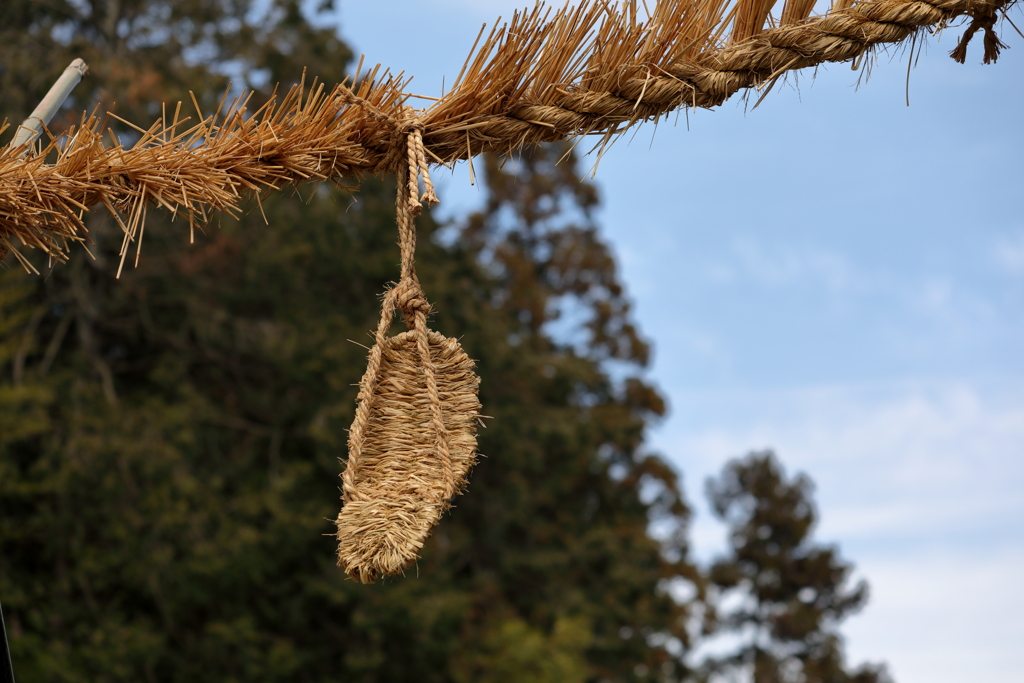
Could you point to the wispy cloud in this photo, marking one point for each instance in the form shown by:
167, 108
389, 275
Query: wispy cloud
918, 482
903, 461
944, 617
755, 261
1008, 253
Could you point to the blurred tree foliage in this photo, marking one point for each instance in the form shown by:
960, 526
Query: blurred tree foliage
144, 52
777, 592
169, 441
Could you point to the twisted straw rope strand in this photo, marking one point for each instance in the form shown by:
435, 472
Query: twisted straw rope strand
838, 37
529, 92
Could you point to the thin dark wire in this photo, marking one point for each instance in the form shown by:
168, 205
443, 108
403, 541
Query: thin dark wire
6, 667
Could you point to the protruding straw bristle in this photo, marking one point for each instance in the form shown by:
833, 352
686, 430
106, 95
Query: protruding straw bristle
796, 11
750, 18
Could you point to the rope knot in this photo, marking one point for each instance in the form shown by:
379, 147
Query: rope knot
411, 301
408, 125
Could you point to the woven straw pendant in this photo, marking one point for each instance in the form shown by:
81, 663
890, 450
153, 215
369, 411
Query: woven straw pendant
400, 487
413, 439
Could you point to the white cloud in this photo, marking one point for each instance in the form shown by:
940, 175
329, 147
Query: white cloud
943, 617
892, 460
789, 264
918, 483
1009, 253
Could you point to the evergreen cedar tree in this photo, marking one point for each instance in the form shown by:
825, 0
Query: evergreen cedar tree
793, 592
169, 442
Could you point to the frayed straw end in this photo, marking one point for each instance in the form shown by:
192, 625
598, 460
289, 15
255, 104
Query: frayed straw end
993, 46
382, 537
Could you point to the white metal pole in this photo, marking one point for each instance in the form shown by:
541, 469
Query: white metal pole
31, 127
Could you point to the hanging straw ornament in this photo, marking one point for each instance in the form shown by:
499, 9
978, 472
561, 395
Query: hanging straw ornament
413, 439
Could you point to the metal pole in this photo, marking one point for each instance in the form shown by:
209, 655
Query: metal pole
31, 127
6, 666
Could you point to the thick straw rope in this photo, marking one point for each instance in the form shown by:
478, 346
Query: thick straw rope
590, 69
393, 494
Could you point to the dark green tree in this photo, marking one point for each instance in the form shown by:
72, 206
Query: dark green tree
169, 441
789, 592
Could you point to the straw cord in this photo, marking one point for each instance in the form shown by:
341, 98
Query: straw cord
589, 69
408, 297
440, 432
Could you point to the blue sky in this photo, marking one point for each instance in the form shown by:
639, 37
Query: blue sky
839, 277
